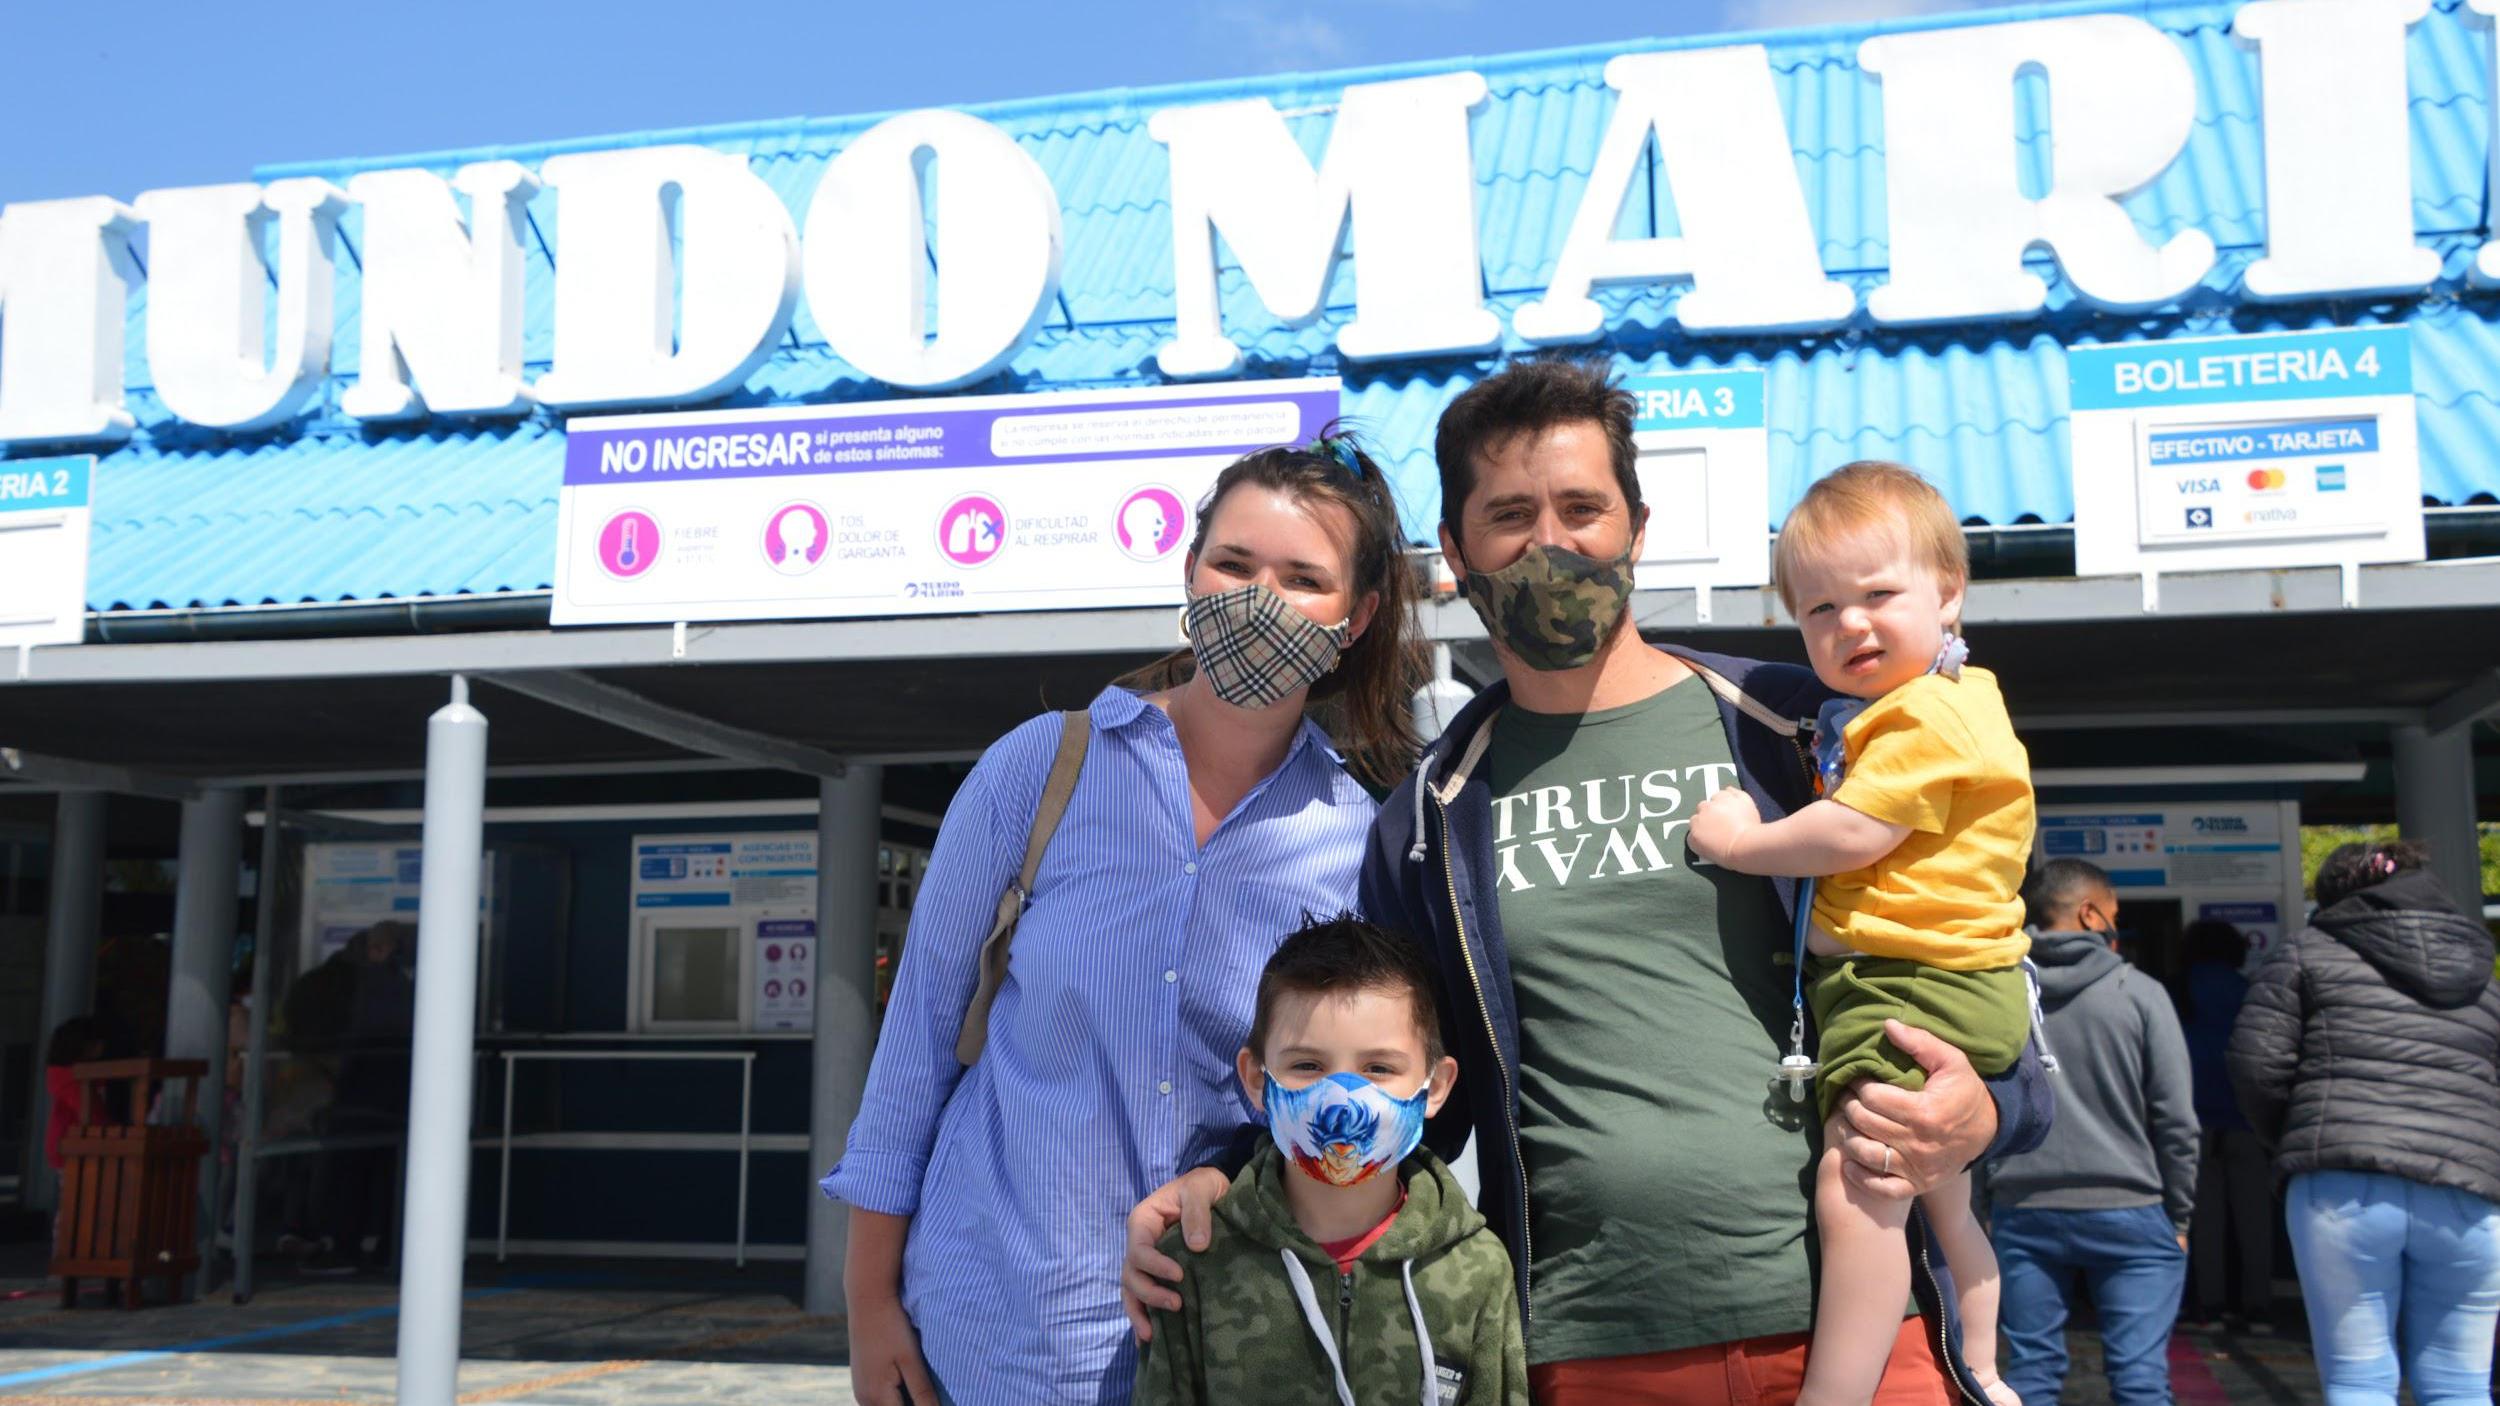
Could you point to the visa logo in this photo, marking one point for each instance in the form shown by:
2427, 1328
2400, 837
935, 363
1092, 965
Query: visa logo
2200, 485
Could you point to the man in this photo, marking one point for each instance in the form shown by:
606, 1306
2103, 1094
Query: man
2110, 1192
1619, 1012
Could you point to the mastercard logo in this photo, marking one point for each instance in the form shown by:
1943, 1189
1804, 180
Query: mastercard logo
2264, 480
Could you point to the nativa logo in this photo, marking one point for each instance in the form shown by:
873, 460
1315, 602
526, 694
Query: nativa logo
2221, 825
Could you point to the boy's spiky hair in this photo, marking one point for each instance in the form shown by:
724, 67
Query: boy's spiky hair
1871, 494
1342, 955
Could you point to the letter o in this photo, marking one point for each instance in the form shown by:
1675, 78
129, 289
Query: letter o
867, 261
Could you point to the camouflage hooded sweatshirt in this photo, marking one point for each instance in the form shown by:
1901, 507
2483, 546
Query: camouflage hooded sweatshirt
1430, 1302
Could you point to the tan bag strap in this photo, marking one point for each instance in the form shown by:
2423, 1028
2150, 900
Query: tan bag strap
1076, 729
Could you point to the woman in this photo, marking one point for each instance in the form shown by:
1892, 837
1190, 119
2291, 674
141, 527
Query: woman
2368, 1057
988, 1202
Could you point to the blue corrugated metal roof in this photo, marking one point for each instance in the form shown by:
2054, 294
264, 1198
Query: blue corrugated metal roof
332, 511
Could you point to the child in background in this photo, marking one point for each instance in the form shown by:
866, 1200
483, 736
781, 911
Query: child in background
1346, 1263
79, 1040
1919, 846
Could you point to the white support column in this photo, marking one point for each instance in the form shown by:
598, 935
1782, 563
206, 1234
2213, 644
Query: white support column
2435, 804
69, 945
847, 836
203, 974
434, 1227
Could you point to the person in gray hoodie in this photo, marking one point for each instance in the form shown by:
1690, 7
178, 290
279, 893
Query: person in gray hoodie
2110, 1192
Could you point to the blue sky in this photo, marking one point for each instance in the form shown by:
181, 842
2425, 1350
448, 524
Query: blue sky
113, 100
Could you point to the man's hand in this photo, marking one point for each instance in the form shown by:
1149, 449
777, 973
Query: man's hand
885, 1356
2183, 1249
1720, 822
1900, 1144
1189, 1199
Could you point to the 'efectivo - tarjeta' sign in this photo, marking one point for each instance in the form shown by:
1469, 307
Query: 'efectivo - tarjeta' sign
2297, 449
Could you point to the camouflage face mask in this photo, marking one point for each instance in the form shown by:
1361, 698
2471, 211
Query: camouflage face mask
1553, 607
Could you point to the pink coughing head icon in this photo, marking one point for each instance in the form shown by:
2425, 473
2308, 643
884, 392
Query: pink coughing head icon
972, 529
795, 538
1150, 522
629, 544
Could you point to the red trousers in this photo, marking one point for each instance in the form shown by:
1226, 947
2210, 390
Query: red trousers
1754, 1372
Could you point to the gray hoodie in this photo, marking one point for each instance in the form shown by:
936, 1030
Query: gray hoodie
2126, 1101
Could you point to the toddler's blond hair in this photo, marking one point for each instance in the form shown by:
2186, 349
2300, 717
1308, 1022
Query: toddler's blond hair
1871, 495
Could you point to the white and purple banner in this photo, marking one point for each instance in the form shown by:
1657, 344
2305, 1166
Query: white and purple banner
966, 504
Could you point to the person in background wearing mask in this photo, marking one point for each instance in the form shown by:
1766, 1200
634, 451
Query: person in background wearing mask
1618, 1011
2108, 1194
2234, 1225
2368, 1058
1210, 814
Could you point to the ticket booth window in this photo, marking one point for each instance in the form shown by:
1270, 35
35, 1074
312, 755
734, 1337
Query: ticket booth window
694, 975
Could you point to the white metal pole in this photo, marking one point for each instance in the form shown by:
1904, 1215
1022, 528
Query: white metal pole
436, 1230
846, 1005
69, 944
503, 1181
203, 978
256, 1047
746, 1126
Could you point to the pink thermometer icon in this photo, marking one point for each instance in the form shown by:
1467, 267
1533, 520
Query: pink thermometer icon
628, 544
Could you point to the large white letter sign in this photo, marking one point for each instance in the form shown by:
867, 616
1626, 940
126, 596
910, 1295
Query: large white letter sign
207, 291
2339, 174
442, 302
2487, 259
1397, 155
998, 250
1747, 244
616, 283
2121, 102
65, 276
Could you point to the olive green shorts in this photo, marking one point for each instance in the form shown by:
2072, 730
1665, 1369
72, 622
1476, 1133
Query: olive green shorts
1985, 1014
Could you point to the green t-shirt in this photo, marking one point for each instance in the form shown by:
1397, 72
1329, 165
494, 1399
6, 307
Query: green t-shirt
1669, 1176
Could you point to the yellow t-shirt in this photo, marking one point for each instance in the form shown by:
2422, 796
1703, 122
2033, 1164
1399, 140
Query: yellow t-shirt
1940, 756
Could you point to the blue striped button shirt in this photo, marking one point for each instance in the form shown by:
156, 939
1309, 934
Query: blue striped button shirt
1109, 1065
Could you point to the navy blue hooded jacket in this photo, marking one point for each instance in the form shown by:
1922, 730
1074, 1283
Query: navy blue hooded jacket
1431, 870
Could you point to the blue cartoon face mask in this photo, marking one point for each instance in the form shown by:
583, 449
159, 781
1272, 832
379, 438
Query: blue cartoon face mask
1343, 1129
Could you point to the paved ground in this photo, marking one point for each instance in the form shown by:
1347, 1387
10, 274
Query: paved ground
557, 1335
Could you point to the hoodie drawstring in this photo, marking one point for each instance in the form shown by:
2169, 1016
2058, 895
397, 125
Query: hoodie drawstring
1309, 1298
1319, 1326
1423, 1339
1423, 770
2039, 1023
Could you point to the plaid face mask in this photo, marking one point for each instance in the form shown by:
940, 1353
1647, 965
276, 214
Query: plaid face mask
1254, 649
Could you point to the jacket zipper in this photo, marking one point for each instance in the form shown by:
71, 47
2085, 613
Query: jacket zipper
1944, 1352
1510, 1100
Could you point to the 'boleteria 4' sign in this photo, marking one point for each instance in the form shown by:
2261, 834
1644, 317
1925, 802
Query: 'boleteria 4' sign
1026, 502
2289, 450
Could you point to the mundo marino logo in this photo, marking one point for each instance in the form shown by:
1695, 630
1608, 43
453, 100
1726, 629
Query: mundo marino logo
931, 245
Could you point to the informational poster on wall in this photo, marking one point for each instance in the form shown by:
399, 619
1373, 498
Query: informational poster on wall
2235, 861
2292, 449
2261, 923
1071, 500
1705, 475
44, 517
349, 887
725, 930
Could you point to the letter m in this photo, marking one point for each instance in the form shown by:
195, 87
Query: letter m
1397, 159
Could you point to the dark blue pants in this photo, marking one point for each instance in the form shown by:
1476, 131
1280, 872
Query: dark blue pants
2132, 1267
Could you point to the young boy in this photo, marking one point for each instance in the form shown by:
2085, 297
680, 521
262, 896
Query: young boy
1918, 848
1346, 1264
